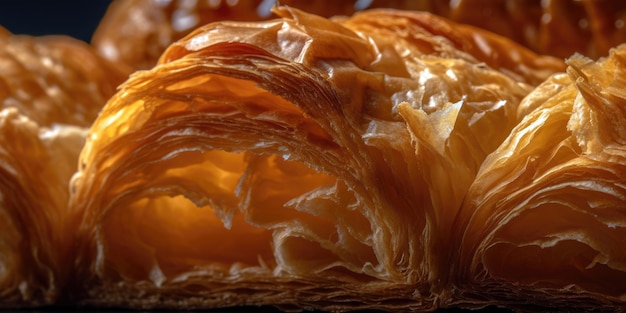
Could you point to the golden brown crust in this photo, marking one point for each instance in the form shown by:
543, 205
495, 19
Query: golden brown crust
497, 52
36, 166
55, 79
546, 211
388, 160
287, 156
51, 89
4, 32
136, 32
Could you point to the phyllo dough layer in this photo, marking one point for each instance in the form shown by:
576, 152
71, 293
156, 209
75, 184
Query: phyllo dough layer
272, 163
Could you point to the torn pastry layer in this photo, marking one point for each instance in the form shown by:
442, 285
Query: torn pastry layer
546, 213
296, 162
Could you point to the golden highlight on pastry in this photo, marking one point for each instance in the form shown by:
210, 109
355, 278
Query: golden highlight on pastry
36, 164
51, 89
55, 79
546, 212
382, 161
136, 32
391, 160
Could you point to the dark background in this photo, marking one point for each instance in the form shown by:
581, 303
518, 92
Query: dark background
76, 18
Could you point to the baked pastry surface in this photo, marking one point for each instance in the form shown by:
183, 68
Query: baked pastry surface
386, 160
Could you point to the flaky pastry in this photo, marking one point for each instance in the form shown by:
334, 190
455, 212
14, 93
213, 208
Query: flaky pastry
341, 164
136, 32
55, 79
51, 89
547, 210
387, 160
36, 164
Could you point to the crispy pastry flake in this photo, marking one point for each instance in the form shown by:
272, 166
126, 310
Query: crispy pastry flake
296, 162
136, 32
388, 160
51, 89
547, 211
36, 165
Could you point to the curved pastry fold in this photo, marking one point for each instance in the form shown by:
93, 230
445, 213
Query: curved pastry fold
291, 162
51, 89
34, 241
546, 214
136, 32
388, 160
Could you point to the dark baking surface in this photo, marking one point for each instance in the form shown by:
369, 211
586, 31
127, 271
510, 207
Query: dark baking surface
76, 18
263, 309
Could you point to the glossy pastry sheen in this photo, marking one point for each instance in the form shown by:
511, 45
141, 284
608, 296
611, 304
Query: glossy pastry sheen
348, 164
36, 164
51, 89
547, 210
136, 32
